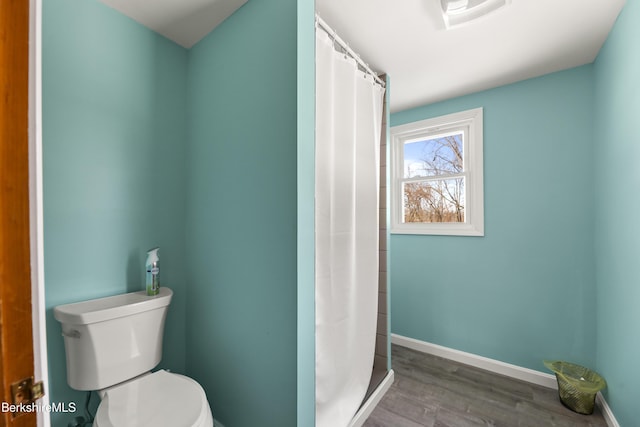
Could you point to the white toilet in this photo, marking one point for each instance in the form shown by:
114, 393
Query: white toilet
111, 346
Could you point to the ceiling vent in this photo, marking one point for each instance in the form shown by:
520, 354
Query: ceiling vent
458, 12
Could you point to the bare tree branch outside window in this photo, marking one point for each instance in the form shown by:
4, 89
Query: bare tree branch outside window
436, 191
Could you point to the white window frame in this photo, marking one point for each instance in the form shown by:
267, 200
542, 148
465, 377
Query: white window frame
468, 122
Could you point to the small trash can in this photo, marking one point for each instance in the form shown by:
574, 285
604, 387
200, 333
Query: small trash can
577, 385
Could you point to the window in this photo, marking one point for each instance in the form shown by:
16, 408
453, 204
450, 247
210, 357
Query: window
436, 176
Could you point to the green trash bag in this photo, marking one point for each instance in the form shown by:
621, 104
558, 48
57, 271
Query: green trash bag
577, 385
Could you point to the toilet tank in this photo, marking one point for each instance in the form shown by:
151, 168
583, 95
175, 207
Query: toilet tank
110, 340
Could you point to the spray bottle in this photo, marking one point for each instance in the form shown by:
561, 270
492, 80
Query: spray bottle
153, 271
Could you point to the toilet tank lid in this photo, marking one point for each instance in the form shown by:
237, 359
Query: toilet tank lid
101, 309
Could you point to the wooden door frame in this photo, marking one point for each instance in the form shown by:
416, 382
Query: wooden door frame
16, 361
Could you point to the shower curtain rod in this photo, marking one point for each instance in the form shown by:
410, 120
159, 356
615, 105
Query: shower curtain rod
334, 36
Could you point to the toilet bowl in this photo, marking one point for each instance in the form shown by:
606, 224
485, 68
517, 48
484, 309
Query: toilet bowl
111, 346
160, 399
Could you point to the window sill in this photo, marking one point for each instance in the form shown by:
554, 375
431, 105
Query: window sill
439, 230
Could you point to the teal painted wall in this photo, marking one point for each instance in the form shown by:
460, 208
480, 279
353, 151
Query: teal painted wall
242, 216
617, 171
114, 131
526, 290
306, 182
207, 140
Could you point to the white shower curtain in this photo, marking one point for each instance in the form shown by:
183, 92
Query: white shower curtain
348, 123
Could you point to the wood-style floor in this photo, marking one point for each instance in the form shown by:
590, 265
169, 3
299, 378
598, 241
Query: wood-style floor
436, 392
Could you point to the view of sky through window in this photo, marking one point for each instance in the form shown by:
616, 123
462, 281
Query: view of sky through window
442, 155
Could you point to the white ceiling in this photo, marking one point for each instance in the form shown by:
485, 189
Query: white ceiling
407, 40
426, 63
185, 22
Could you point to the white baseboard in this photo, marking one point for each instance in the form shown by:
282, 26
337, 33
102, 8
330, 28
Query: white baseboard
513, 371
507, 369
367, 408
607, 413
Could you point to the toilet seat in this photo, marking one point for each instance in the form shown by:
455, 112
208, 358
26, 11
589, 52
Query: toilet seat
160, 399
